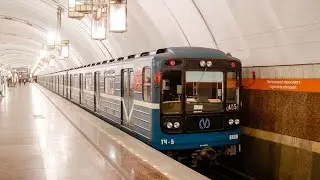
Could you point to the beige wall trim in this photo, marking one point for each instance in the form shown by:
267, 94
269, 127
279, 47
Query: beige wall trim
305, 144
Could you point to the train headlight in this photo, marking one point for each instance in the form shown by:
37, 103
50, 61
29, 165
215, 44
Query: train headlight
169, 125
231, 121
209, 63
176, 125
202, 63
237, 121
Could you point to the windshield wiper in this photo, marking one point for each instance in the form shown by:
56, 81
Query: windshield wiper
197, 86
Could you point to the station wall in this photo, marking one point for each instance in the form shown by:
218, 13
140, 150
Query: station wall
281, 121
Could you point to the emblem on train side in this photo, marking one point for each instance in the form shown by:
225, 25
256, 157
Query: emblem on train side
204, 123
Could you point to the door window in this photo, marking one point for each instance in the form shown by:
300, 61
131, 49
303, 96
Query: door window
146, 84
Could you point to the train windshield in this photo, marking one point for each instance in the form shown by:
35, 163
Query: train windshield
204, 91
197, 91
172, 92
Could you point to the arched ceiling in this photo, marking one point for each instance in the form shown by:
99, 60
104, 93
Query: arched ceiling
265, 32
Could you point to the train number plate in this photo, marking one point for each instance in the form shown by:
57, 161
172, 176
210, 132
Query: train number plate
233, 136
167, 141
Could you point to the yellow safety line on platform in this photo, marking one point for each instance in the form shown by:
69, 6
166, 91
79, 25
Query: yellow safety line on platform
305, 144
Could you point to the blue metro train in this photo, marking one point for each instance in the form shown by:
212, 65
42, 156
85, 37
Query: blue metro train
173, 99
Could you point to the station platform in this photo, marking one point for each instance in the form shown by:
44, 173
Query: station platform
44, 136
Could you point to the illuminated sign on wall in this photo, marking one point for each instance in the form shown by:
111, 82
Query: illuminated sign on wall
299, 85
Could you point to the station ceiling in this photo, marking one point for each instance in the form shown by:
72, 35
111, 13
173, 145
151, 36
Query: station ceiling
260, 33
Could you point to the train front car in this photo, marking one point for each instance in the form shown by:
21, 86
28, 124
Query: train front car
198, 90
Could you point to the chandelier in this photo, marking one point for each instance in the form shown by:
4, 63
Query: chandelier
54, 49
105, 15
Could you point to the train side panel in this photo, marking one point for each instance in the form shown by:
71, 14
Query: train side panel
111, 104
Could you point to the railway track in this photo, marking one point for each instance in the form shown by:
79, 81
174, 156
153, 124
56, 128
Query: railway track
227, 173
219, 171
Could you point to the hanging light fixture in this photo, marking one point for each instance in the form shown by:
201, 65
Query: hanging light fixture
99, 20
118, 16
43, 54
51, 38
45, 65
72, 13
65, 49
99, 9
83, 6
51, 62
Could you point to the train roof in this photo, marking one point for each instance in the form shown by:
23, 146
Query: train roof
171, 52
197, 52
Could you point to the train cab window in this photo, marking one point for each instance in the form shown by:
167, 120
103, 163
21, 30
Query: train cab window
233, 97
171, 92
204, 91
146, 84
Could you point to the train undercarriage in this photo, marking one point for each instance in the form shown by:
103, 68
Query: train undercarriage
203, 157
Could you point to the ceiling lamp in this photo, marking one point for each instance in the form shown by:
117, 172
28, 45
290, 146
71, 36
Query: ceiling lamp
100, 10
83, 6
118, 16
72, 13
64, 49
51, 38
51, 62
99, 20
43, 54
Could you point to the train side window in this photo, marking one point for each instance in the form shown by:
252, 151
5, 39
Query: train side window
76, 80
102, 84
137, 81
109, 82
146, 84
72, 81
88, 83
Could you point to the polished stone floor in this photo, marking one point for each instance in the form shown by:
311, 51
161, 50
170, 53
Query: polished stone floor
37, 142
44, 136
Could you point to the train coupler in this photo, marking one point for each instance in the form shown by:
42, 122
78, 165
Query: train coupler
204, 157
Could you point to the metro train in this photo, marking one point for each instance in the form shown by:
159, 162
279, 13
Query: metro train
173, 99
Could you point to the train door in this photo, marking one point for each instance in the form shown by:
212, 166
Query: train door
57, 84
62, 84
127, 96
66, 85
70, 85
50, 83
54, 83
96, 90
81, 85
